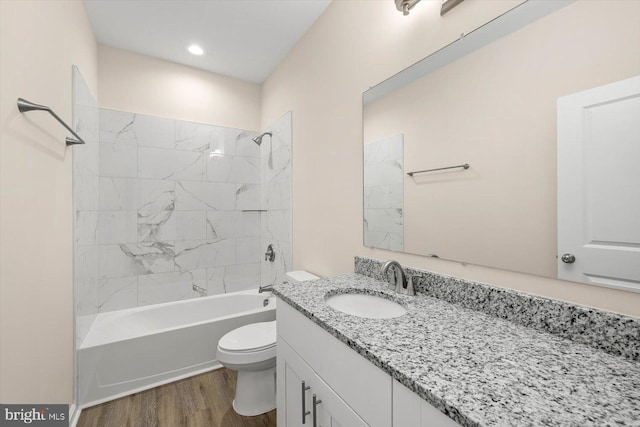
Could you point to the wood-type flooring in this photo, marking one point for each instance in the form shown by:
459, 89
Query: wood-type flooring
200, 401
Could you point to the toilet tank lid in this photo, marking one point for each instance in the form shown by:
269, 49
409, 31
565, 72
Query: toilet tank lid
301, 276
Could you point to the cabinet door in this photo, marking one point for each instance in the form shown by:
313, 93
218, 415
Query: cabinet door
329, 409
332, 411
409, 410
293, 402
406, 406
431, 417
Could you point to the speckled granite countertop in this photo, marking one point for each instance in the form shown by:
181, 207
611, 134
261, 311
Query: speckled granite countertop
478, 369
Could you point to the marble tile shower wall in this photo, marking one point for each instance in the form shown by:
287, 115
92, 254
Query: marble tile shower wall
384, 193
85, 206
171, 221
275, 159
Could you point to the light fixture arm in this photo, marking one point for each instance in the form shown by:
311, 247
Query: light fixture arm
405, 6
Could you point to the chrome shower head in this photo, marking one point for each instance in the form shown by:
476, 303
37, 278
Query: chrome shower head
258, 139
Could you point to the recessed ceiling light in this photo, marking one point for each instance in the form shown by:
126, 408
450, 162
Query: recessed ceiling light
195, 49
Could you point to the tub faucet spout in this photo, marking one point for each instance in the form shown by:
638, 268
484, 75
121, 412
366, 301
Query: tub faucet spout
268, 288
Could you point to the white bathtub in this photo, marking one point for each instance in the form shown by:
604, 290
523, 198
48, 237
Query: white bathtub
131, 350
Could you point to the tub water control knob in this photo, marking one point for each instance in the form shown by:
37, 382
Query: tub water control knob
270, 255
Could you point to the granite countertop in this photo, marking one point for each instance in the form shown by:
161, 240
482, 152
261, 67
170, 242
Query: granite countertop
478, 369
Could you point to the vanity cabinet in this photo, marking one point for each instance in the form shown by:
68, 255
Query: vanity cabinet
309, 400
352, 392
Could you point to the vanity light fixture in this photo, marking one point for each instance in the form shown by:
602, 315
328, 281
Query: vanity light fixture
194, 49
405, 6
447, 5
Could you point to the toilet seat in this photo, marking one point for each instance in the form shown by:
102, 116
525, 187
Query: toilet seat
248, 360
249, 338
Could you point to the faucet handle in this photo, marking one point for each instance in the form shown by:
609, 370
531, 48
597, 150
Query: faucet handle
410, 289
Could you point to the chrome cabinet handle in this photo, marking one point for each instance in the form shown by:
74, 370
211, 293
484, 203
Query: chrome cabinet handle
316, 402
304, 403
568, 258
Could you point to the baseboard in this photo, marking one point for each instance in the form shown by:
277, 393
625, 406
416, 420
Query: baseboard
74, 415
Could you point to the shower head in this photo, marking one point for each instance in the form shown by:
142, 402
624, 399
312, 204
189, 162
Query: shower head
258, 139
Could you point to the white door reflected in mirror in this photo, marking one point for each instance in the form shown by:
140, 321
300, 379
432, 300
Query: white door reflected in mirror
599, 185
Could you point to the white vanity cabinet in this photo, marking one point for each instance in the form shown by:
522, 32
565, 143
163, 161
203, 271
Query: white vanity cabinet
309, 400
352, 392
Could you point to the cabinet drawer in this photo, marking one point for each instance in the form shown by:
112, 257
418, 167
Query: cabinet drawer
366, 388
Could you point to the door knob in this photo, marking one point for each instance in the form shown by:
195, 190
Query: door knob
568, 259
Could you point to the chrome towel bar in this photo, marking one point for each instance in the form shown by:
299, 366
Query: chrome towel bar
465, 166
24, 106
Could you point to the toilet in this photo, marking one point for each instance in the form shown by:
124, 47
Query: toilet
251, 350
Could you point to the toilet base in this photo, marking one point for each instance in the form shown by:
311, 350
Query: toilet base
255, 392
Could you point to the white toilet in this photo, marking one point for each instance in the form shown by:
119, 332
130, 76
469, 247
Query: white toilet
251, 350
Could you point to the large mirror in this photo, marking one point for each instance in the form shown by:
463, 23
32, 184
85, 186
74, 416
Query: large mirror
490, 101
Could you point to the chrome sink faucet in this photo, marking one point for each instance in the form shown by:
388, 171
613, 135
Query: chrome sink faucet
398, 278
400, 282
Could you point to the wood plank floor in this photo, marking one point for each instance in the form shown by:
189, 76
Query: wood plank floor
200, 401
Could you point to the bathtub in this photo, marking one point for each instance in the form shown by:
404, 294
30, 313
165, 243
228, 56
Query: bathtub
131, 350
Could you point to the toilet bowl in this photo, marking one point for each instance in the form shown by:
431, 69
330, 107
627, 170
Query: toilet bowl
251, 350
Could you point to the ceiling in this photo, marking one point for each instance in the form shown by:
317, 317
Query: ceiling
245, 39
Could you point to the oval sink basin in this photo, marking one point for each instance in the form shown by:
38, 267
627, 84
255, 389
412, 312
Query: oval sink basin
363, 305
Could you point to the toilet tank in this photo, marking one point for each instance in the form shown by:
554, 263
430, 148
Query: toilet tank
300, 276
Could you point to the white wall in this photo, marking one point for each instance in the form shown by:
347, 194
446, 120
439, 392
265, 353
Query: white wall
352, 46
36, 283
141, 84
